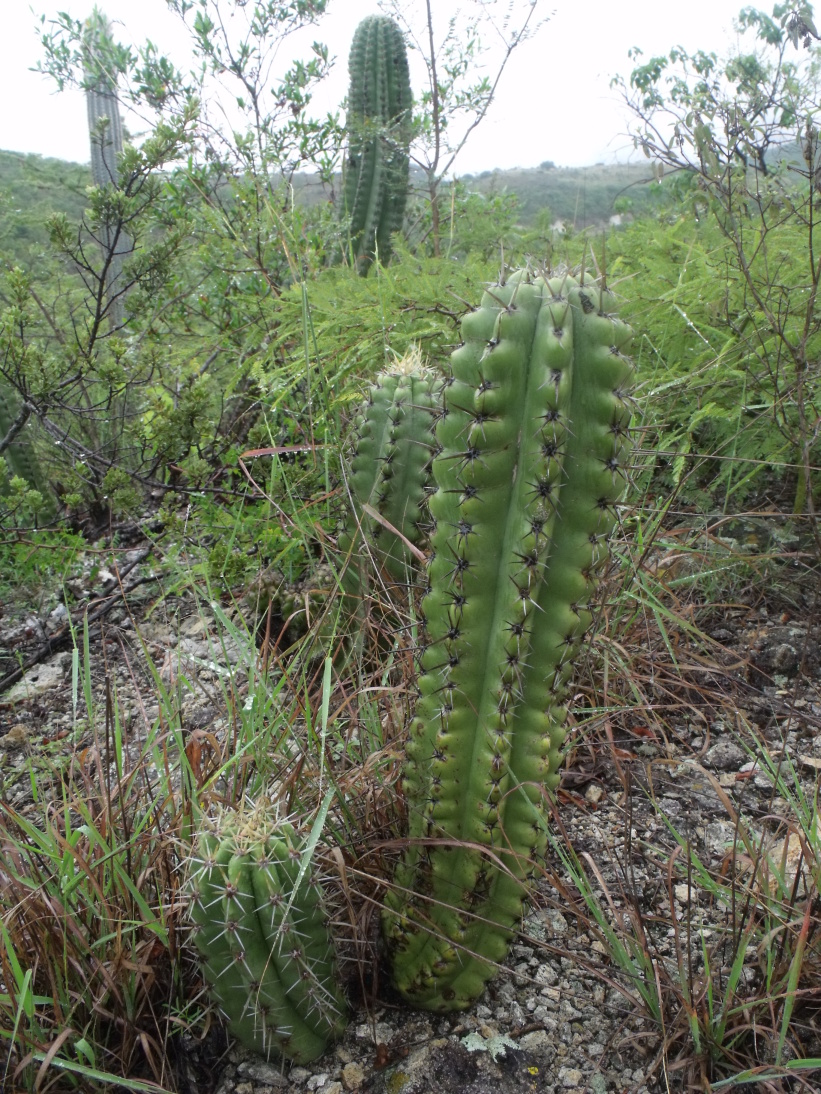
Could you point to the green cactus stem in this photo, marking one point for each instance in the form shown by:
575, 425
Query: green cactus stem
528, 476
390, 472
263, 935
378, 123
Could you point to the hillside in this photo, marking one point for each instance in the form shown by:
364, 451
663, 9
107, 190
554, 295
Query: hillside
33, 187
578, 196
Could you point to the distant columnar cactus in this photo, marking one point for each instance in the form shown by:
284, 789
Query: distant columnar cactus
263, 933
19, 453
106, 134
377, 168
528, 474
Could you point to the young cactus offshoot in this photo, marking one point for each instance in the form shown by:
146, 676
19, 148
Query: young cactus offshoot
263, 935
528, 475
390, 474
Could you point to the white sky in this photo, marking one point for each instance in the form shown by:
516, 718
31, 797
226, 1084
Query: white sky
555, 102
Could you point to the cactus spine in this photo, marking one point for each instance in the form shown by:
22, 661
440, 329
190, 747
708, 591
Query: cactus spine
106, 134
378, 165
529, 471
263, 934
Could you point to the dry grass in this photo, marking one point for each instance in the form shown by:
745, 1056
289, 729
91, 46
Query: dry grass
98, 979
730, 974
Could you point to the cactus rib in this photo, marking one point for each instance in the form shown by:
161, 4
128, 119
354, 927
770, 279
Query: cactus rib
106, 135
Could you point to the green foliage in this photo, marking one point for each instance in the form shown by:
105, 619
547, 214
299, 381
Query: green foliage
32, 189
731, 123
748, 286
18, 461
271, 131
119, 491
710, 408
379, 104
578, 197
348, 329
160, 388
528, 472
86, 909
22, 504
28, 564
464, 68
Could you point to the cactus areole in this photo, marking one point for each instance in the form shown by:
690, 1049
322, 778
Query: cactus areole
528, 475
377, 167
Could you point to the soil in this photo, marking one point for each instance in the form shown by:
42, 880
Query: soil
662, 764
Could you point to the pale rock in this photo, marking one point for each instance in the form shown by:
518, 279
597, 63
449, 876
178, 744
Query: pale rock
684, 893
262, 1072
39, 680
17, 737
570, 1076
538, 1042
594, 794
353, 1076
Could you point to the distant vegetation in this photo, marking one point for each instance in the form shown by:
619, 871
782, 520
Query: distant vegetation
577, 196
32, 188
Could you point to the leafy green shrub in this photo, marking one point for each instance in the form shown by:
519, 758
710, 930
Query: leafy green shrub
714, 401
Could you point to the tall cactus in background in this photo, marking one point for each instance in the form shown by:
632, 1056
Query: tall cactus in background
528, 475
263, 933
106, 134
378, 165
15, 443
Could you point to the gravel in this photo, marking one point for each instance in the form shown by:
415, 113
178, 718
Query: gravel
560, 1016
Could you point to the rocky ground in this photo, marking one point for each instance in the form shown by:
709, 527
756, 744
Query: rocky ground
671, 764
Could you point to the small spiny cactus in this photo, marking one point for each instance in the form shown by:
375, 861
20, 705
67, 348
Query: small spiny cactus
262, 932
390, 471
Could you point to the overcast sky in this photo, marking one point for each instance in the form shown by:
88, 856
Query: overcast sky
555, 104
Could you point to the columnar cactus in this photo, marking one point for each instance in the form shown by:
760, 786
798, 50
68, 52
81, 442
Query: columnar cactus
377, 167
262, 932
19, 454
528, 474
390, 470
106, 134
